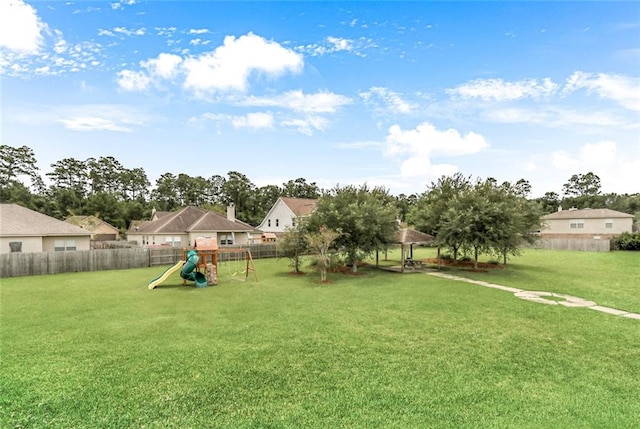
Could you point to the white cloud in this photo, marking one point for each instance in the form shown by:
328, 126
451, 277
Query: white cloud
307, 125
551, 116
333, 44
198, 31
391, 100
20, 27
319, 102
130, 32
229, 66
619, 172
416, 148
253, 120
92, 123
133, 81
624, 90
164, 66
499, 90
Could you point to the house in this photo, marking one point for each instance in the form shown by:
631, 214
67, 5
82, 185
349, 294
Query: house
181, 228
285, 212
586, 223
100, 230
25, 230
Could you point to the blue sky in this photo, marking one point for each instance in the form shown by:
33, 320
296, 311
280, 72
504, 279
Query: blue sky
384, 93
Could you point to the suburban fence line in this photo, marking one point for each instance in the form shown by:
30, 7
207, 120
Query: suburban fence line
580, 244
33, 264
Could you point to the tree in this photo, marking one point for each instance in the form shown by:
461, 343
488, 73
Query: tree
549, 202
404, 204
580, 185
583, 191
165, 195
320, 243
71, 174
428, 214
299, 188
238, 189
135, 184
293, 244
17, 162
367, 219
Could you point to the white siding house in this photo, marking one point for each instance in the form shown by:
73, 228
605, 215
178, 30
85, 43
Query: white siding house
285, 212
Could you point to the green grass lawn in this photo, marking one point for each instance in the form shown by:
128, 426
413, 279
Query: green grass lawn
376, 350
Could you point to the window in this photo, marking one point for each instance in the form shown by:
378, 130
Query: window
576, 223
608, 223
226, 239
277, 222
15, 246
64, 245
293, 222
269, 222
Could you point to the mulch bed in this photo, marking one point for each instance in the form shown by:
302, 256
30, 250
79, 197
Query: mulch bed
462, 264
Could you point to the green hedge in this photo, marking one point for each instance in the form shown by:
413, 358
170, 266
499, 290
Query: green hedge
627, 241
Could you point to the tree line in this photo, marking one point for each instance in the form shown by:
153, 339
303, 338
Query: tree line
118, 194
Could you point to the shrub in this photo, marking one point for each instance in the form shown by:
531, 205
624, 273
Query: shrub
627, 241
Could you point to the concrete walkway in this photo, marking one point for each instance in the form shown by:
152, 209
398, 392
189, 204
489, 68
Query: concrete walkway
549, 298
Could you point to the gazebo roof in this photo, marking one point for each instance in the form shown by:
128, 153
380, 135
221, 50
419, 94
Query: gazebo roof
411, 236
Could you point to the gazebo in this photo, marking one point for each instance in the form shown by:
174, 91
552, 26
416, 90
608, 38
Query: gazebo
407, 237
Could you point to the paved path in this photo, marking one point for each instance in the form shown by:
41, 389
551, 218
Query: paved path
543, 297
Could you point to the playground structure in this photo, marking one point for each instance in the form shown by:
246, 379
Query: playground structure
200, 264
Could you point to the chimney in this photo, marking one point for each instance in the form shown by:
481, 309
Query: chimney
231, 212
559, 208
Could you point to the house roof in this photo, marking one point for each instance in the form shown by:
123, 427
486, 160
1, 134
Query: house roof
411, 236
90, 223
189, 219
587, 214
300, 206
16, 220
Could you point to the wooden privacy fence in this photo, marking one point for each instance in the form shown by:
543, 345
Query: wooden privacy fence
582, 244
33, 264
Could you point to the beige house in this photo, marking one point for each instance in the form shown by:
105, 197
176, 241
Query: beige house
100, 230
27, 231
181, 228
586, 223
285, 212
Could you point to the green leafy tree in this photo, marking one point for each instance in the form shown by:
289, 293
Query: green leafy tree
320, 244
428, 213
293, 245
367, 219
299, 188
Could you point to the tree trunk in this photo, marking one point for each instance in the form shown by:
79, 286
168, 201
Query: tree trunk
439, 263
475, 260
504, 256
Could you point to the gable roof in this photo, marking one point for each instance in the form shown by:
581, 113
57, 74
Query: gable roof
189, 219
411, 236
300, 206
16, 220
90, 223
587, 214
